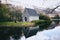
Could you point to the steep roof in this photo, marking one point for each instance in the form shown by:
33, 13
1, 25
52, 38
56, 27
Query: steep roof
31, 12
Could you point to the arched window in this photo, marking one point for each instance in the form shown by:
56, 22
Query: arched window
25, 18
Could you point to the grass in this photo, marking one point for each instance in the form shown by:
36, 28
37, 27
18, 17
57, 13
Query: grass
23, 24
18, 24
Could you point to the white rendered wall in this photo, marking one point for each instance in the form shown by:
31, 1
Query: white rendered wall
23, 18
31, 18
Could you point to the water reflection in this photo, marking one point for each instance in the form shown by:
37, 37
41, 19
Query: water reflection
6, 32
52, 34
10, 33
15, 33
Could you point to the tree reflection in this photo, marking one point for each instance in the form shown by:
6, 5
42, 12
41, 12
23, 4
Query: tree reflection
6, 32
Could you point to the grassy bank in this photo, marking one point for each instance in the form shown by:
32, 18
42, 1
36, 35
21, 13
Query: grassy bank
24, 24
18, 24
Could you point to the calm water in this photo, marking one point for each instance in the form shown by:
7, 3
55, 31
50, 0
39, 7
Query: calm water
52, 34
11, 33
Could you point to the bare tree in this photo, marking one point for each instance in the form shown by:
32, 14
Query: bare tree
55, 8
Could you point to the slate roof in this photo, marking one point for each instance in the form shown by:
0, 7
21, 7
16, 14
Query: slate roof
31, 12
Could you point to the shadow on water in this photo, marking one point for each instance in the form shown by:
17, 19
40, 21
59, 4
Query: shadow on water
16, 32
6, 32
29, 33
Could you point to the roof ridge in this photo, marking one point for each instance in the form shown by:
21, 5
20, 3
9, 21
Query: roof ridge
31, 12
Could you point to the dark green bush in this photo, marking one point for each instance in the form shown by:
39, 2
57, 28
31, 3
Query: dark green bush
56, 17
45, 25
6, 32
43, 17
38, 22
41, 22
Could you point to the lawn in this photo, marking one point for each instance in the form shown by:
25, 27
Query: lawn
24, 24
18, 24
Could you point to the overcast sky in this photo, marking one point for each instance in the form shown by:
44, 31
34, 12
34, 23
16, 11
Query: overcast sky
37, 3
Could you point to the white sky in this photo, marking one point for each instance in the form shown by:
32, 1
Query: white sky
37, 3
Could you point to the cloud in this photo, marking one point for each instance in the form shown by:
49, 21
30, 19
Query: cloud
38, 3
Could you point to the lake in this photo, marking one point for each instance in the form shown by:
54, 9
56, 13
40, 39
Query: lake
18, 33
52, 34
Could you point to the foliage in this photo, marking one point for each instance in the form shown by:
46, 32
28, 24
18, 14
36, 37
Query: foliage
38, 22
42, 23
45, 25
4, 12
15, 15
6, 32
47, 22
43, 17
7, 15
56, 17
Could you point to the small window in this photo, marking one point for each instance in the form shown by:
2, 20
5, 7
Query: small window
25, 18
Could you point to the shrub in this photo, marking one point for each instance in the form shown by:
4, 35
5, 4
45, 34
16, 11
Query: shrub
56, 17
43, 17
43, 22
45, 25
40, 22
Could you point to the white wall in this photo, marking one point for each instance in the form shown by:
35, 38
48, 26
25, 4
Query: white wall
31, 18
25, 14
24, 18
